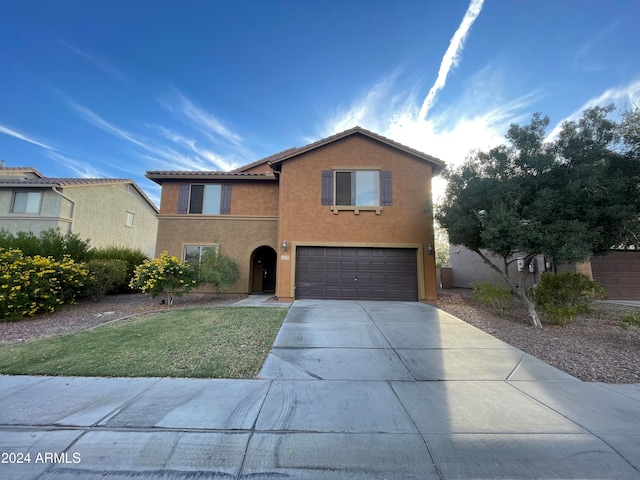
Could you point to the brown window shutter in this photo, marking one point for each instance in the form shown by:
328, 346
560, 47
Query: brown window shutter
385, 189
225, 200
327, 187
183, 198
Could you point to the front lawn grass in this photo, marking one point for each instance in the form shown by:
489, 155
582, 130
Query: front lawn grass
223, 342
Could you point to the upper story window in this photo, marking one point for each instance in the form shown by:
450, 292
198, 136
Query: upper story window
205, 199
26, 202
345, 189
130, 218
357, 188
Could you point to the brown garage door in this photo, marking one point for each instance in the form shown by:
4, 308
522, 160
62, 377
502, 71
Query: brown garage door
619, 273
354, 273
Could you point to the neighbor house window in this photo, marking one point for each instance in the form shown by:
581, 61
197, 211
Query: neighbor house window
26, 202
193, 253
358, 188
130, 217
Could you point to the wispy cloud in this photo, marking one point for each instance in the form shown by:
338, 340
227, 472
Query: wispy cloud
585, 58
25, 138
98, 62
95, 119
452, 56
622, 96
162, 147
201, 120
195, 156
80, 168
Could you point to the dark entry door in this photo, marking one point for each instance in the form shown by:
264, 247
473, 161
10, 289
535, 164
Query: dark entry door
264, 270
356, 273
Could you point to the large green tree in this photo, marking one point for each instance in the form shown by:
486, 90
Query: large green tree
568, 199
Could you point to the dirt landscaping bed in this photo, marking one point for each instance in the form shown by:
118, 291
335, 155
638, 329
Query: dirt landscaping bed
592, 347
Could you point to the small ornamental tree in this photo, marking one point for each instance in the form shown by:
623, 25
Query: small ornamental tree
568, 199
165, 274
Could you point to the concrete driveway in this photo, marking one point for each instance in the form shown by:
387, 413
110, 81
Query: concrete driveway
350, 390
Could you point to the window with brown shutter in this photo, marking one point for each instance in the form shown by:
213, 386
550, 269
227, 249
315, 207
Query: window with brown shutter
206, 199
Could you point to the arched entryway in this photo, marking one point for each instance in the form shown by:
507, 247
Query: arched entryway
263, 270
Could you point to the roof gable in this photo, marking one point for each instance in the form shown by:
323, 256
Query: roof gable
290, 153
25, 172
436, 163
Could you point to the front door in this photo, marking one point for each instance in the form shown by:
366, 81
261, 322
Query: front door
264, 270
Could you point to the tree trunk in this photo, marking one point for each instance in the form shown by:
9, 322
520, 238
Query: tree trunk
522, 293
521, 289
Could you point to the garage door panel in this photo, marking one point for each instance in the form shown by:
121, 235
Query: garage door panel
619, 274
382, 273
394, 267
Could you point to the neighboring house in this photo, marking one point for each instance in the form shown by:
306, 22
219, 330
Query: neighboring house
467, 267
105, 211
347, 217
618, 272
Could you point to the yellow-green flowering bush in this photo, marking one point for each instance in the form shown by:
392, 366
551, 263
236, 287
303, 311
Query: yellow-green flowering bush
30, 285
165, 274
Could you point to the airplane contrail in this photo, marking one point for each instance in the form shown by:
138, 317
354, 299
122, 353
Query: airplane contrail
452, 55
12, 133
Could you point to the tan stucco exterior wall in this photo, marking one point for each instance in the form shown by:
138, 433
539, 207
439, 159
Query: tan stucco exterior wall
100, 215
407, 223
55, 212
257, 198
237, 237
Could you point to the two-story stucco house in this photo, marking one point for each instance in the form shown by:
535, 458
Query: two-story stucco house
347, 217
105, 211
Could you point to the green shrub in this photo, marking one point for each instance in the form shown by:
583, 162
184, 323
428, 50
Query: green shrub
49, 243
103, 277
165, 274
131, 256
30, 285
563, 297
630, 320
494, 295
218, 270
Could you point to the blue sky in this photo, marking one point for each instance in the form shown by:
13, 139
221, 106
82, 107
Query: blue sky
116, 88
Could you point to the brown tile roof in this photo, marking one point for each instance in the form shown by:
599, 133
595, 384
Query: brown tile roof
20, 170
279, 157
287, 154
158, 175
269, 159
62, 182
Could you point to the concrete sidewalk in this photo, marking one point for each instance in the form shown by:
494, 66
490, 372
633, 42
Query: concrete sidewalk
350, 390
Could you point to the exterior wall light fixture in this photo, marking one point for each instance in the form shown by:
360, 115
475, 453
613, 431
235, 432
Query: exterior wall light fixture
284, 246
430, 249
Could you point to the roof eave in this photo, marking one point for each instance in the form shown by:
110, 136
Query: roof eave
160, 177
